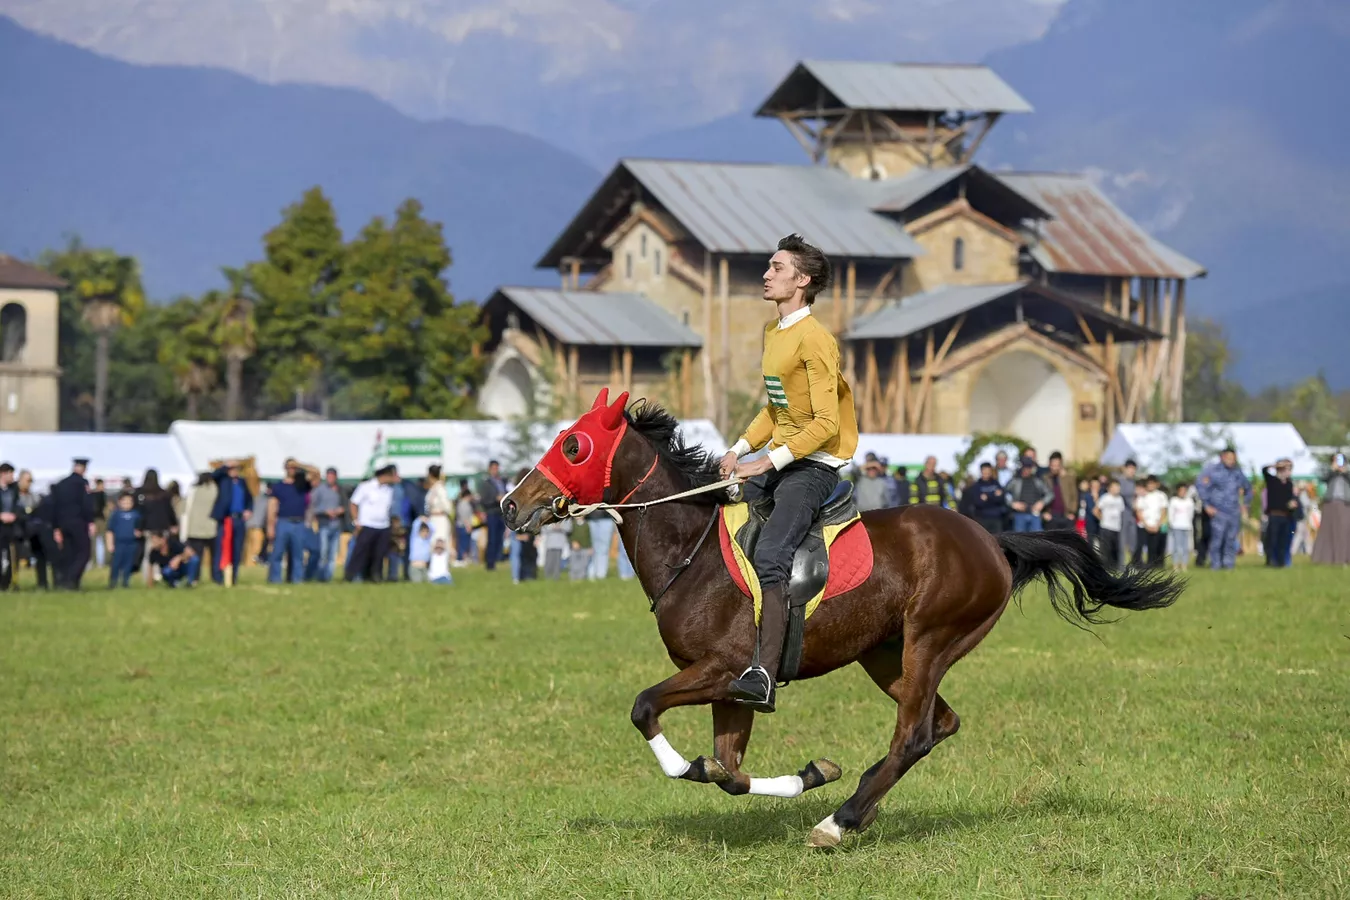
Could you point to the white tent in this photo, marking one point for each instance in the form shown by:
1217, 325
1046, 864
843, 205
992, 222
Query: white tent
112, 457
1158, 448
460, 447
910, 450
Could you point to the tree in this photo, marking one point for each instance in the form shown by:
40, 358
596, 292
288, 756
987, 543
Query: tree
105, 289
295, 289
236, 334
1312, 408
189, 350
405, 346
1208, 395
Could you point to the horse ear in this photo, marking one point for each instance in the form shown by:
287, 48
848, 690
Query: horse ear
614, 414
601, 399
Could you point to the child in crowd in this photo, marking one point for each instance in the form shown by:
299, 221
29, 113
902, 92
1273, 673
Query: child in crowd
177, 563
1152, 507
1085, 519
1180, 521
438, 567
124, 529
1110, 514
579, 563
419, 553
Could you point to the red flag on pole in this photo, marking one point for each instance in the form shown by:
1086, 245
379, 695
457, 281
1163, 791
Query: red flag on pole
227, 550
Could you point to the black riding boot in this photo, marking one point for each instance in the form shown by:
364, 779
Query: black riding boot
755, 687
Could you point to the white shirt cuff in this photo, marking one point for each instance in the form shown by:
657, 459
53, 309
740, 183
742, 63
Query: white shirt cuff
781, 457
740, 448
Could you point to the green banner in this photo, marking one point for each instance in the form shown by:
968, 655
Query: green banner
413, 447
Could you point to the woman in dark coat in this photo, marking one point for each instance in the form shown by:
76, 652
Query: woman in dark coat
1333, 538
157, 517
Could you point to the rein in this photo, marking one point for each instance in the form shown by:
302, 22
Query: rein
576, 511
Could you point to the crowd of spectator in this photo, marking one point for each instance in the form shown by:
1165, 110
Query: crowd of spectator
1133, 519
306, 526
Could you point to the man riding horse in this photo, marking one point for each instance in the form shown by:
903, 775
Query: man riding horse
812, 432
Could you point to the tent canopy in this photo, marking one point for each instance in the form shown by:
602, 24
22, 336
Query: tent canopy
1164, 447
112, 457
910, 450
461, 447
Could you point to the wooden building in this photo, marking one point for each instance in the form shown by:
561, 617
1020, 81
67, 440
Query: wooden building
963, 299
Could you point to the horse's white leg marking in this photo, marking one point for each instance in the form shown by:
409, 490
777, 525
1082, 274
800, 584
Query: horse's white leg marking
672, 763
782, 786
826, 834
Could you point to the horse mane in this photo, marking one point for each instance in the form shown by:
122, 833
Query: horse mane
661, 429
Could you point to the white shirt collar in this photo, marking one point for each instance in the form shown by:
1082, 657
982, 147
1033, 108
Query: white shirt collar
793, 318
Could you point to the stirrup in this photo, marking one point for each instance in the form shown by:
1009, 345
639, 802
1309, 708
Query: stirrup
755, 689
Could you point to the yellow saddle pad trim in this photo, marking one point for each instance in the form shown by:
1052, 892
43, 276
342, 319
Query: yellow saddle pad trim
737, 514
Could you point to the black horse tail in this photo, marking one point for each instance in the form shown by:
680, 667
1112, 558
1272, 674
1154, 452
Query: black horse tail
1060, 556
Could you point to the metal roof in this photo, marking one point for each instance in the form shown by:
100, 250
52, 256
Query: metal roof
747, 208
1090, 235
599, 318
895, 87
913, 186
919, 311
17, 274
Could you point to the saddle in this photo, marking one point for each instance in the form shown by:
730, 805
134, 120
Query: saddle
810, 564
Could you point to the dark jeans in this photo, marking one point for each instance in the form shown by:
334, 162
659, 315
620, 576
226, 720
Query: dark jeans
75, 553
1155, 543
1279, 538
496, 528
798, 492
991, 523
123, 563
1108, 546
367, 553
289, 546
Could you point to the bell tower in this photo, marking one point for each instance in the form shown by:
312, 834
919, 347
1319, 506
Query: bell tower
882, 120
29, 331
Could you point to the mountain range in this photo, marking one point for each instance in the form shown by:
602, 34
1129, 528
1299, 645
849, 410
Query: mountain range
186, 168
1212, 124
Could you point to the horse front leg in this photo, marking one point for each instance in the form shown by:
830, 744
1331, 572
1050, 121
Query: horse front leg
703, 682
731, 735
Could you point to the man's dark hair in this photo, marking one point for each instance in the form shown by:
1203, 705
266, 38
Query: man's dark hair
986, 465
809, 260
1056, 456
1129, 463
331, 471
6, 468
493, 462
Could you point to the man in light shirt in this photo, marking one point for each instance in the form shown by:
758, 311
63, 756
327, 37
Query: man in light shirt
372, 504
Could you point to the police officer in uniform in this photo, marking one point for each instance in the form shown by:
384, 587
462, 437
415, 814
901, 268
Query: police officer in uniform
1226, 494
73, 516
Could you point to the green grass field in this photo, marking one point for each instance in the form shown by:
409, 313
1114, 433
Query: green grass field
407, 741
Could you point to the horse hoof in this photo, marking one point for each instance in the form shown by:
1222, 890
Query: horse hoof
707, 770
819, 772
826, 835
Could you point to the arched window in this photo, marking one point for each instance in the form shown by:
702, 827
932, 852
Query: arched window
628, 265
13, 332
958, 254
656, 262
642, 244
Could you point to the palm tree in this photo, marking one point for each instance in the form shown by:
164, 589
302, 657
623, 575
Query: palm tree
110, 289
236, 334
189, 350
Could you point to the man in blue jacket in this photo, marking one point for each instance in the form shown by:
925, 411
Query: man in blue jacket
234, 501
989, 504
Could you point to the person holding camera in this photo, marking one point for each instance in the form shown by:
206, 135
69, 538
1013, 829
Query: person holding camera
1332, 546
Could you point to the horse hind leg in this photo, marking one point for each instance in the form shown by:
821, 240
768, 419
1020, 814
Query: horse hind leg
911, 678
731, 735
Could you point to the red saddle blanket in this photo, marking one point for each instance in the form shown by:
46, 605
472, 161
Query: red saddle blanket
850, 560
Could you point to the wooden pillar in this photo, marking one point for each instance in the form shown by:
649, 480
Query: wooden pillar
614, 372
576, 273
1124, 310
1109, 411
869, 387
850, 299
686, 384
837, 311
919, 410
724, 292
902, 399
705, 352
628, 369
1179, 356
574, 376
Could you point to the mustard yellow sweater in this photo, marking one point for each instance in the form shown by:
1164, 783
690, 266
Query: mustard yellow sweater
810, 410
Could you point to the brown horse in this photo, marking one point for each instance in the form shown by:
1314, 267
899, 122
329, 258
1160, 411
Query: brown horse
938, 585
